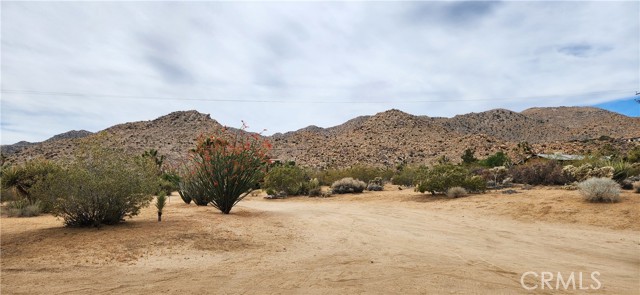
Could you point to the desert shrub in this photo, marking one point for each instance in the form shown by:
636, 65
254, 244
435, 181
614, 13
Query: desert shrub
364, 173
228, 166
441, 178
314, 188
468, 157
102, 186
633, 156
636, 187
540, 173
348, 185
407, 175
456, 192
622, 170
475, 184
290, 179
495, 160
600, 190
169, 181
377, 184
23, 208
23, 180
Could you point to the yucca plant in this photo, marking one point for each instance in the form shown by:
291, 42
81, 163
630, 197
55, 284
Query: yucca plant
161, 200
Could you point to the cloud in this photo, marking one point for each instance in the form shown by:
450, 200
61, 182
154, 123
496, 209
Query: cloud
318, 63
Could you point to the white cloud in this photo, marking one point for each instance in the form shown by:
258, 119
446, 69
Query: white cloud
552, 53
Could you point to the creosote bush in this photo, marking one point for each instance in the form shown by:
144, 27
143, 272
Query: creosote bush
287, 178
456, 192
441, 178
102, 186
348, 185
600, 190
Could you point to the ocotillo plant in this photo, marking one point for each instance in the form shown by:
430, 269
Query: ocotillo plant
226, 167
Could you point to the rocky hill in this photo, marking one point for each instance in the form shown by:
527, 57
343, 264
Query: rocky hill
10, 149
383, 139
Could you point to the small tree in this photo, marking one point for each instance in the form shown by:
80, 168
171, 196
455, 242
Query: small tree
227, 167
498, 159
468, 157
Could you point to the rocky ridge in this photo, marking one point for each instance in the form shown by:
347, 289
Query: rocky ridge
384, 139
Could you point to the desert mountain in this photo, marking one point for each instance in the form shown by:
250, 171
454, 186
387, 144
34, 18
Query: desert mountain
10, 149
383, 139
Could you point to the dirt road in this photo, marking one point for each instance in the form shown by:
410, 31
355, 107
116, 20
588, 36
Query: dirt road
320, 246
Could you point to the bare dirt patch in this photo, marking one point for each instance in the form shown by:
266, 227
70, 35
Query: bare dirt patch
377, 242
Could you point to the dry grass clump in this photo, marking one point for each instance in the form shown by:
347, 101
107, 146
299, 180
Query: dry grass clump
22, 208
600, 190
456, 192
348, 185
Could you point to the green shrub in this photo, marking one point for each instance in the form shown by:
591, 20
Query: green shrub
468, 157
348, 185
22, 180
364, 173
600, 190
228, 166
407, 176
23, 208
441, 178
289, 179
456, 192
475, 184
495, 160
102, 186
622, 170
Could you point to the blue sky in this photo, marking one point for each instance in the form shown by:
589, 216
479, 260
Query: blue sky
626, 106
286, 65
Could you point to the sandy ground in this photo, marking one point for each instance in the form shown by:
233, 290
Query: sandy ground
375, 243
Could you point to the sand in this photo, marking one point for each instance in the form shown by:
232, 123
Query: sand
375, 243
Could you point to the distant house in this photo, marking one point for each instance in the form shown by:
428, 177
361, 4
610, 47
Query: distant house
560, 157
564, 157
632, 139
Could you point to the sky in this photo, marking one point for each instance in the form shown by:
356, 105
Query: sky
282, 66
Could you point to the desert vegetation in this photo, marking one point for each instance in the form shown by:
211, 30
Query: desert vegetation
600, 190
224, 168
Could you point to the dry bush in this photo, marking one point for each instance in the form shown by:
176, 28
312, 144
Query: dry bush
22, 208
348, 185
456, 192
600, 190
